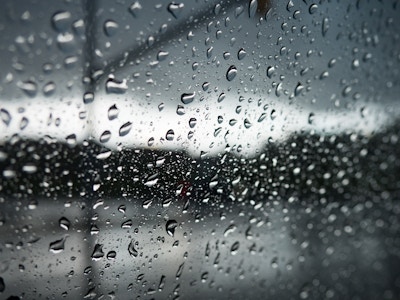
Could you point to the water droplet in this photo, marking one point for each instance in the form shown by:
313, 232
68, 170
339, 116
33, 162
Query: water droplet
162, 283
125, 129
253, 8
115, 86
171, 226
217, 9
311, 118
270, 71
247, 123
238, 11
325, 26
110, 27
97, 252
105, 136
29, 168
205, 86
232, 122
274, 114
113, 112
24, 123
235, 248
278, 90
71, 139
131, 249
135, 8
58, 245
231, 228
150, 142
175, 9
88, 97
127, 224
28, 87
221, 97
262, 117
192, 122
162, 55
64, 223
241, 54
66, 42
61, 20
289, 5
226, 55
299, 88
187, 98
170, 135
180, 110
313, 8
231, 73
5, 116
49, 88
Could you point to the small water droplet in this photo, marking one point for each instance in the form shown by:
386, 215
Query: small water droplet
289, 5
175, 9
235, 248
125, 129
262, 117
231, 73
97, 252
127, 224
111, 255
105, 136
270, 71
71, 139
64, 223
58, 245
135, 8
24, 123
241, 54
325, 26
170, 135
192, 122
29, 168
311, 118
88, 98
299, 88
162, 55
116, 86
150, 142
132, 250
180, 110
5, 116
232, 122
231, 228
171, 226
278, 90
313, 8
110, 27
49, 88
205, 86
274, 114
187, 98
247, 123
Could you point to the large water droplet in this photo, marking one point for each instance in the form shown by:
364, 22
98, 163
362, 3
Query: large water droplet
116, 86
253, 8
97, 252
124, 129
113, 112
175, 9
58, 245
171, 226
187, 98
110, 27
231, 73
131, 249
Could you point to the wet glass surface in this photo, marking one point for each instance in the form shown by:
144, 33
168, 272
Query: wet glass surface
199, 149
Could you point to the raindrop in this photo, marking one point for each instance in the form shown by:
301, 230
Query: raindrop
113, 112
58, 245
231, 73
231, 228
241, 54
110, 27
252, 8
313, 8
88, 97
278, 90
235, 248
24, 123
170, 135
64, 223
150, 142
170, 227
124, 129
232, 122
29, 168
299, 88
187, 98
162, 283
61, 20
325, 26
247, 123
289, 5
192, 122
111, 255
115, 86
262, 117
135, 8
274, 114
270, 71
28, 87
205, 86
238, 11
49, 88
97, 252
5, 116
127, 224
65, 41
71, 139
311, 118
131, 249
221, 97
105, 136
175, 9
162, 55
180, 110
